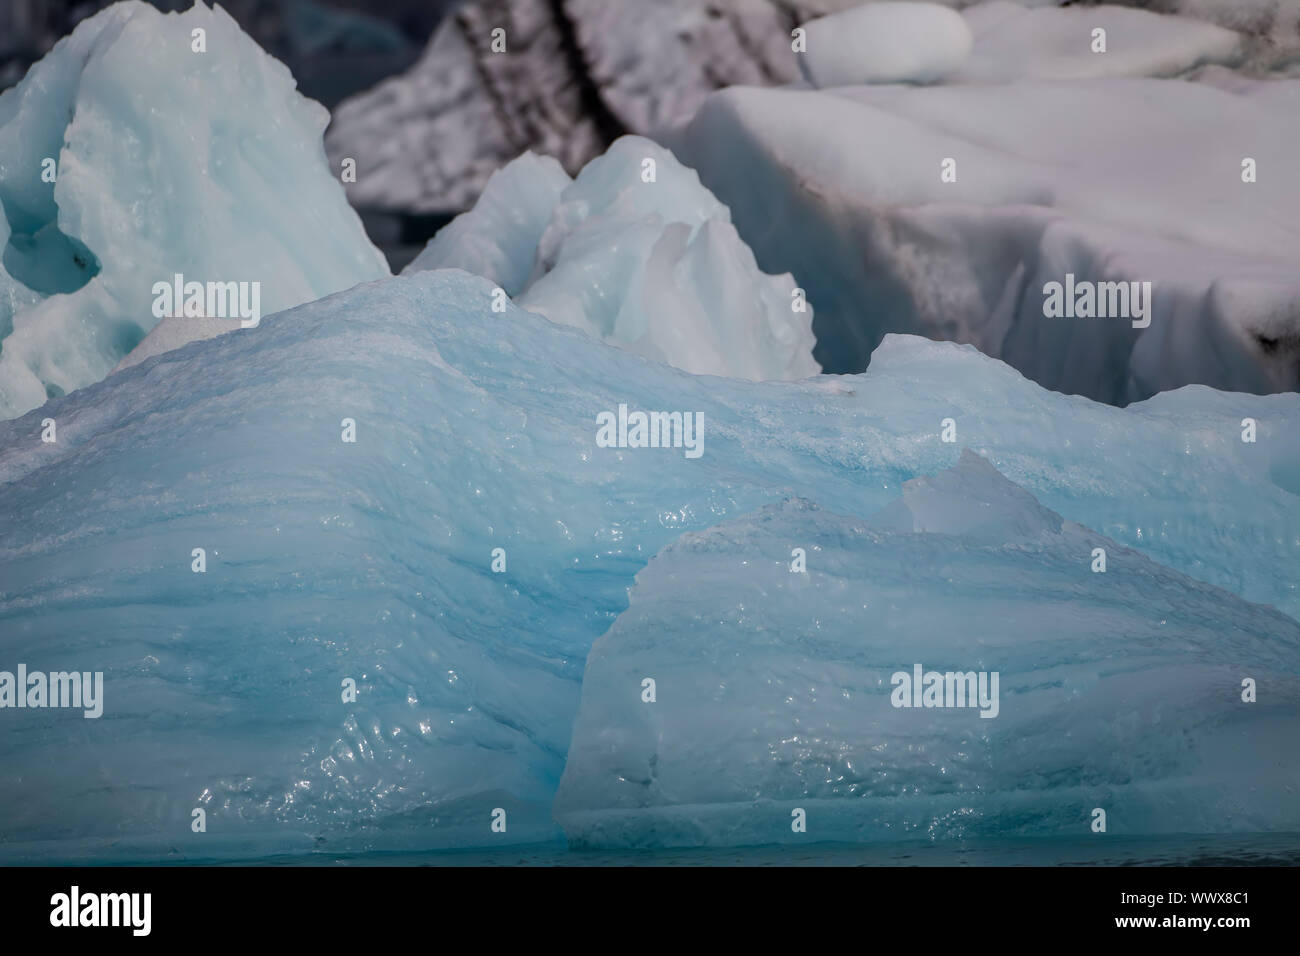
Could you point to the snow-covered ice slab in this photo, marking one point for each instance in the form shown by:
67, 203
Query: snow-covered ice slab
169, 161
1093, 181
634, 252
372, 560
776, 692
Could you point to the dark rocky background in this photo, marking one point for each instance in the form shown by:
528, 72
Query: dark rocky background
334, 47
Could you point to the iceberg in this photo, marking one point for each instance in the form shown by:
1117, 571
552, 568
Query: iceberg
781, 694
559, 535
634, 252
977, 198
127, 157
202, 532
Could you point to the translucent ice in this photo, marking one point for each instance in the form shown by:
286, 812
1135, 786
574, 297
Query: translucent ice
637, 253
776, 691
168, 160
497, 239
373, 560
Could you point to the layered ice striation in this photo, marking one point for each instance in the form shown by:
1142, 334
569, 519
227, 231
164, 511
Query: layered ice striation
947, 210
774, 691
637, 253
373, 560
128, 157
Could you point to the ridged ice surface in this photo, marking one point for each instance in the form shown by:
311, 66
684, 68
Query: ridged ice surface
372, 560
774, 688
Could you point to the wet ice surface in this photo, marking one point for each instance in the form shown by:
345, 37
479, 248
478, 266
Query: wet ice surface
774, 695
477, 429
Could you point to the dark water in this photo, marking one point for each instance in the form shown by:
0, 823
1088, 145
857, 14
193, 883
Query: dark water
1102, 850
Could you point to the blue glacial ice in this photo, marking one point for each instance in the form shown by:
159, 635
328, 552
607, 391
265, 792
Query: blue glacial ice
497, 582
774, 690
158, 173
475, 430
